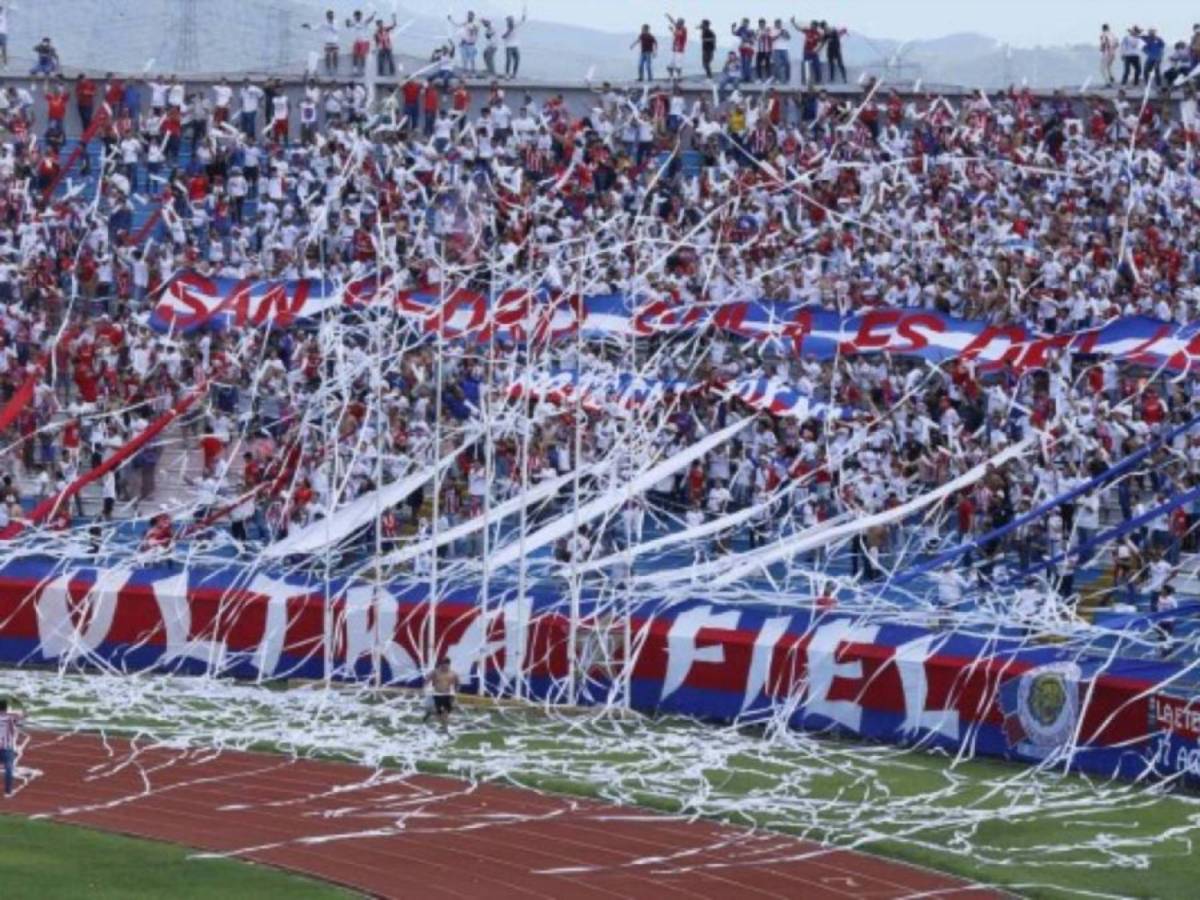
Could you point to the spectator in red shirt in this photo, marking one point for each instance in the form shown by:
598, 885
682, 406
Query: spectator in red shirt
303, 496
461, 101
696, 482
159, 535
85, 380
1153, 411
814, 36
678, 46
385, 62
1179, 528
48, 169
56, 105
172, 129
432, 104
198, 187
56, 111
212, 447
966, 515
412, 102
252, 472
85, 100
114, 92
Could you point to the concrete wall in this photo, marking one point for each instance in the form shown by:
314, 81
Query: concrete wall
578, 97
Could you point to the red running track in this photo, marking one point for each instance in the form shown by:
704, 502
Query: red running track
393, 835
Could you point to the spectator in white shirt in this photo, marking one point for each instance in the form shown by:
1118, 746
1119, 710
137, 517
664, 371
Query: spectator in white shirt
10, 721
251, 96
222, 99
1131, 57
512, 46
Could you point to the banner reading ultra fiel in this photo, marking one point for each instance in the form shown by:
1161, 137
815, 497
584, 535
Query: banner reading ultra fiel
816, 670
191, 301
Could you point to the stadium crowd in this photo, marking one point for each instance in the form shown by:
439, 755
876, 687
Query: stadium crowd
763, 52
1061, 212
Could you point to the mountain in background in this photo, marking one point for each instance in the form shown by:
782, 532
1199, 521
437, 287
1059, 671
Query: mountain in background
268, 36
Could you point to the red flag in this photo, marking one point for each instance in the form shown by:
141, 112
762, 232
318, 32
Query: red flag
20, 399
47, 507
98, 122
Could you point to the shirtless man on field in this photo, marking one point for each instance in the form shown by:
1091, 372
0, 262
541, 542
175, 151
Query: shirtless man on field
444, 684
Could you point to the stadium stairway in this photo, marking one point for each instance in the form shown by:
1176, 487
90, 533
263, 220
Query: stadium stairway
180, 464
144, 201
1096, 594
75, 180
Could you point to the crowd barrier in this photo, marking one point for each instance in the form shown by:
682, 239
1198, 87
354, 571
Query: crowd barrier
822, 670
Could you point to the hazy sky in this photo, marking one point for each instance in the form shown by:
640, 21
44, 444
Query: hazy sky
1020, 22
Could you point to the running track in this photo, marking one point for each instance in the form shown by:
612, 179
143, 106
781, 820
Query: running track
405, 836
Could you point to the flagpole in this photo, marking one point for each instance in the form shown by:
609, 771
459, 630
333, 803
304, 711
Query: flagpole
488, 463
577, 452
439, 325
377, 595
524, 421
330, 623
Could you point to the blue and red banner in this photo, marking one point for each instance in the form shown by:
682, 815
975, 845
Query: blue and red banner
191, 301
617, 392
820, 669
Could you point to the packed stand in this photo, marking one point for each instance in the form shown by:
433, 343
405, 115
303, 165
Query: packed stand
1060, 212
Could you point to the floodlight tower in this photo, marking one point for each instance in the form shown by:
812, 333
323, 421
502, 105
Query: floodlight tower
279, 24
893, 67
186, 51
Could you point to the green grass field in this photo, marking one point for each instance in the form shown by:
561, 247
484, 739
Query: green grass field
1037, 833
1041, 836
41, 860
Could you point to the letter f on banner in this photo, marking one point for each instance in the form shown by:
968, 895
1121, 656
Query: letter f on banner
681, 644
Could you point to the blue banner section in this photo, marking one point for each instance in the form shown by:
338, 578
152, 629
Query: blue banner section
819, 670
1123, 467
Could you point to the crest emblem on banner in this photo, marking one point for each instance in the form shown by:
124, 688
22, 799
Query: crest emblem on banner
1041, 708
